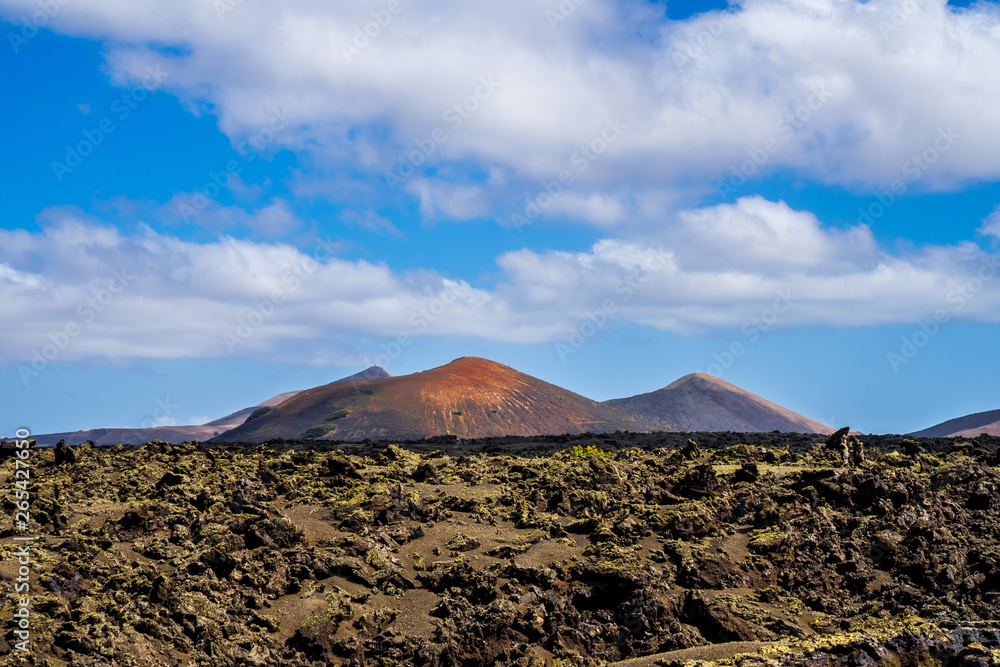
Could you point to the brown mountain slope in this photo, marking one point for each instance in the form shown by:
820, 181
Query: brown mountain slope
469, 398
370, 373
988, 429
700, 402
968, 426
187, 433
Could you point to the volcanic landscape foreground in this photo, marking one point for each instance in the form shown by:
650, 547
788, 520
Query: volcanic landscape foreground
404, 521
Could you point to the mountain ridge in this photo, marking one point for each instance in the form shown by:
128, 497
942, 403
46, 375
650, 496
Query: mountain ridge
469, 397
967, 426
700, 402
183, 433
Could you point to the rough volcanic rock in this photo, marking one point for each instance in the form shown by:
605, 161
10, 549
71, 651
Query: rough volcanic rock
579, 550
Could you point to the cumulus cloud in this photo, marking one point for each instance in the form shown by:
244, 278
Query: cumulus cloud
720, 266
991, 225
458, 202
762, 236
847, 92
78, 289
599, 209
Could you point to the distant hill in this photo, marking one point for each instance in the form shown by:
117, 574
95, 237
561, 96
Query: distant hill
700, 402
968, 426
137, 436
178, 434
469, 398
370, 373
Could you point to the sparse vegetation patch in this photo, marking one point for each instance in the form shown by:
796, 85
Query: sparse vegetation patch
318, 431
339, 414
259, 412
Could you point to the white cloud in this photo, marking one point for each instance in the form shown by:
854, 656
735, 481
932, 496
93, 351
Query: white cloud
163, 420
720, 266
13, 278
873, 86
760, 235
272, 221
372, 221
991, 225
456, 201
77, 289
269, 220
600, 210
105, 294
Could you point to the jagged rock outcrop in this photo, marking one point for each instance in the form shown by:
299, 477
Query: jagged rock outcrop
850, 447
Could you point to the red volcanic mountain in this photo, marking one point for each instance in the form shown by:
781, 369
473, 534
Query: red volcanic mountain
700, 402
968, 426
469, 398
187, 433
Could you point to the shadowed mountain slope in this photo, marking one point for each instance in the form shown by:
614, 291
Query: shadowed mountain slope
968, 426
700, 402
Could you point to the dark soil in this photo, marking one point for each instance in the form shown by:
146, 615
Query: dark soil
742, 549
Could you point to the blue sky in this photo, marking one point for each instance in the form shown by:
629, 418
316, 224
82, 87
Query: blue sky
209, 204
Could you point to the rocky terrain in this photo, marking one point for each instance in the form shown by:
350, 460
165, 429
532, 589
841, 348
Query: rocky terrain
624, 549
701, 402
